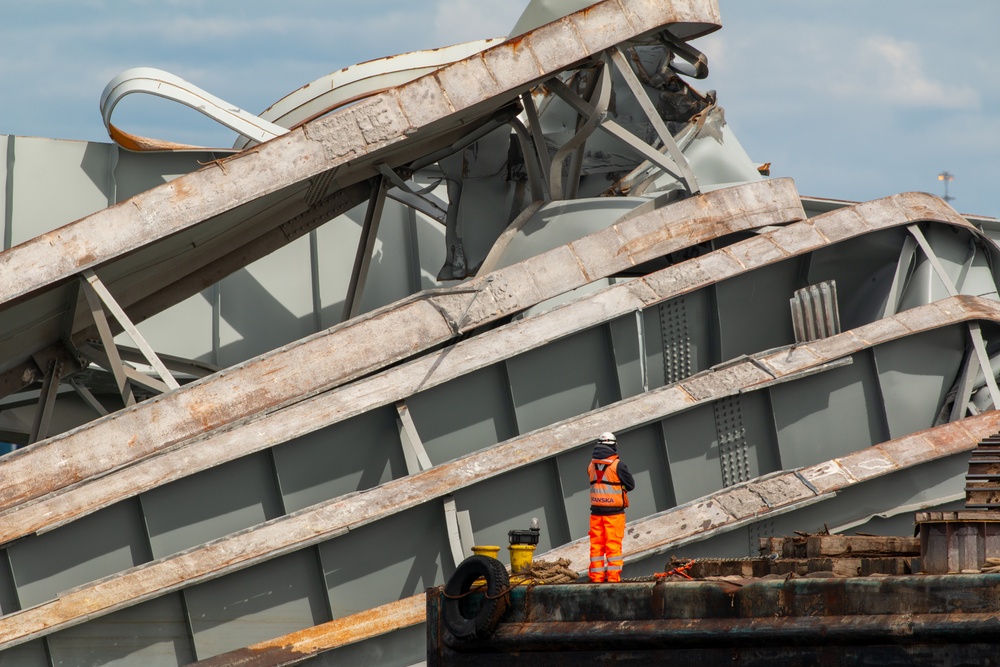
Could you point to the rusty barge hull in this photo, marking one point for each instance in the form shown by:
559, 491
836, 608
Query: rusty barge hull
889, 621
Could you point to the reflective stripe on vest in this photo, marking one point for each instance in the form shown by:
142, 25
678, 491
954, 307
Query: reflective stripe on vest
605, 486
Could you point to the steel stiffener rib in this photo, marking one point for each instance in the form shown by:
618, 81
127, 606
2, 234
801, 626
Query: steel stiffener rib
336, 517
92, 282
272, 428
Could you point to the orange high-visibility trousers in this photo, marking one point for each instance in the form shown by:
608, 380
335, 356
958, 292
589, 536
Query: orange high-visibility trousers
606, 533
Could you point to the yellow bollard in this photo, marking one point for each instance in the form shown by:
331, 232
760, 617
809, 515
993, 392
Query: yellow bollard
520, 558
486, 550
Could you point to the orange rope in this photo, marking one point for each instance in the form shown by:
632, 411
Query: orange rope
680, 569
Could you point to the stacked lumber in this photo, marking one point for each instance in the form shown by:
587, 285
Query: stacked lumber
982, 483
817, 556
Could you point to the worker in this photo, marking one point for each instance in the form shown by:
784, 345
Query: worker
610, 482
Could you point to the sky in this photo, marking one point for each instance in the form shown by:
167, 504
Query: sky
853, 99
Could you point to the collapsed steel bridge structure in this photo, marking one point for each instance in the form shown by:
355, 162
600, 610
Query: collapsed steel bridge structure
264, 396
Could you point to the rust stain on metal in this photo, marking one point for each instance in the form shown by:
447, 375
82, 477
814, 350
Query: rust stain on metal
208, 414
515, 43
182, 189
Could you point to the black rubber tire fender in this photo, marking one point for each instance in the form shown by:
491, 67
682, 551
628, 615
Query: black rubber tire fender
484, 622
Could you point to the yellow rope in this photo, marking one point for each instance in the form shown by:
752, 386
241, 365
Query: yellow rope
548, 572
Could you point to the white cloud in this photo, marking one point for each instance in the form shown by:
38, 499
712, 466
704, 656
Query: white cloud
820, 88
465, 20
715, 47
894, 72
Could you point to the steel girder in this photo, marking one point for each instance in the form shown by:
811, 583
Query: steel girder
741, 374
223, 216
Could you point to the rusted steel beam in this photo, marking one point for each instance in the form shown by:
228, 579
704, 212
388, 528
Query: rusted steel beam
366, 344
296, 647
331, 519
271, 428
906, 452
251, 192
211, 254
24, 374
362, 132
220, 255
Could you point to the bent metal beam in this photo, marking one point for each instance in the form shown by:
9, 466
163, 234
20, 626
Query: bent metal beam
270, 428
353, 136
371, 342
721, 511
334, 518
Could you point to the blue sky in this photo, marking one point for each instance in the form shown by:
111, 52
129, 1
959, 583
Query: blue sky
854, 99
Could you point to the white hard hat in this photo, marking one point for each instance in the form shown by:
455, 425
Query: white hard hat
607, 438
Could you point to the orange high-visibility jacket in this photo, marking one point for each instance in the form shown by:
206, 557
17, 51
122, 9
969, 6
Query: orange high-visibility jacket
606, 488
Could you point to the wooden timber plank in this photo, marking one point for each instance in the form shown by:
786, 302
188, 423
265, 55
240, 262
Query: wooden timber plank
781, 547
733, 506
886, 565
368, 343
932, 444
755, 568
296, 647
821, 546
963, 515
269, 428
